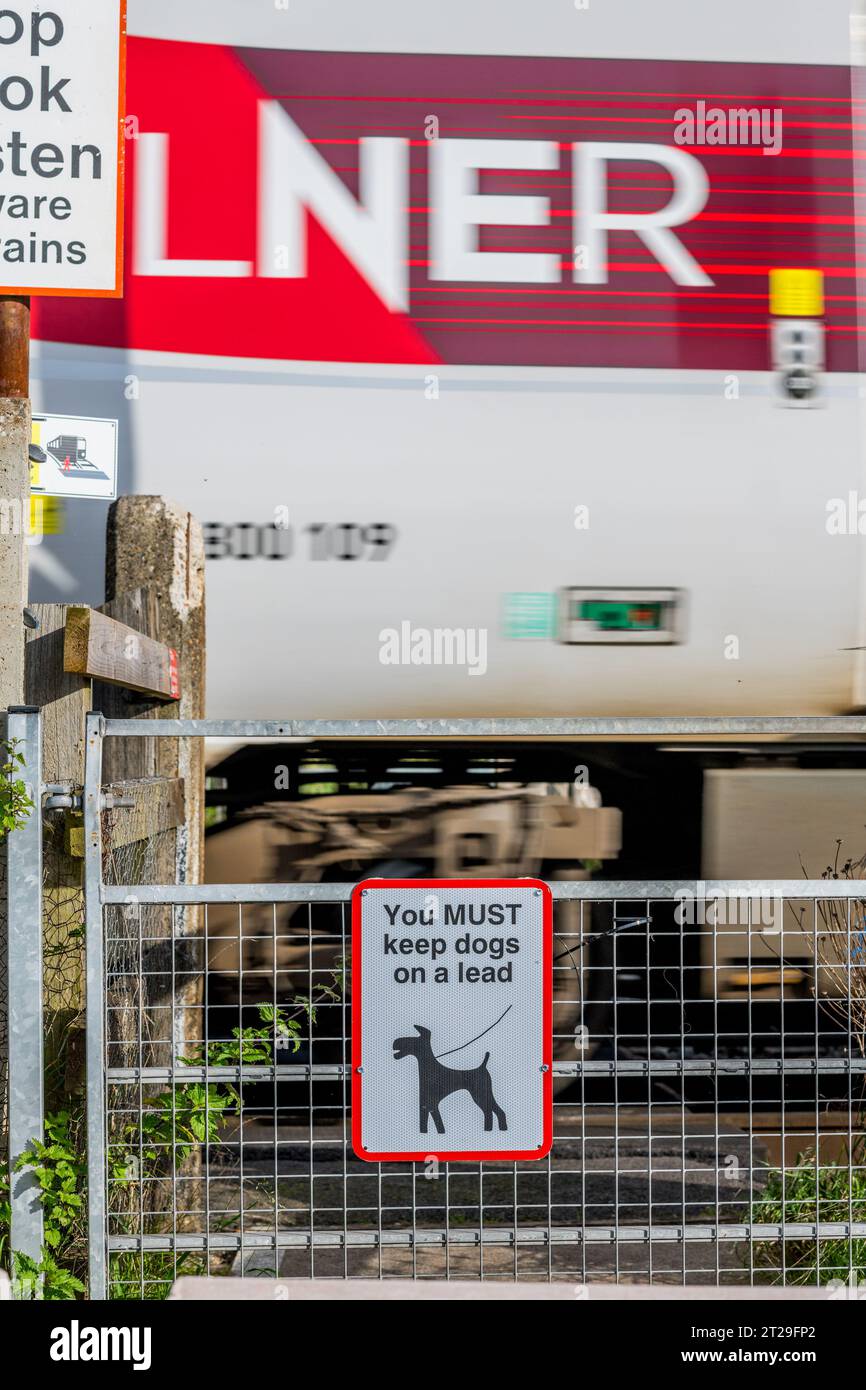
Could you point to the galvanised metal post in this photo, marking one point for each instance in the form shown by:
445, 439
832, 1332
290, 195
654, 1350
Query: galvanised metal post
95, 1006
24, 894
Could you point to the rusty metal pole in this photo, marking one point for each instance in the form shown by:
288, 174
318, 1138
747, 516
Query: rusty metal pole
14, 347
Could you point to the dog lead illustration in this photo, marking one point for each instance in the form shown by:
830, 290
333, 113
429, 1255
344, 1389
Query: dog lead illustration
436, 1081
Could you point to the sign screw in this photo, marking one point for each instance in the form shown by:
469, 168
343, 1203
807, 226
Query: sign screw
359, 1070
544, 1067
363, 892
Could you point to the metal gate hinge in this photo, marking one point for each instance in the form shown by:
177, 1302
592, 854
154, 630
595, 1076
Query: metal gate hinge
65, 796
61, 796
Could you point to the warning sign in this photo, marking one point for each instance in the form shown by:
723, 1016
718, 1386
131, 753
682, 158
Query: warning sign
451, 1019
61, 147
73, 456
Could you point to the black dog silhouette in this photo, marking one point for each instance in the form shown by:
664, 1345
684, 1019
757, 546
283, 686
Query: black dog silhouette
435, 1082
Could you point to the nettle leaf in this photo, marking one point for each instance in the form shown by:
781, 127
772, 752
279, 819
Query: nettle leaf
199, 1127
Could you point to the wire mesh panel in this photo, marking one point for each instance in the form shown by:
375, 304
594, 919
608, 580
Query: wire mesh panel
708, 1110
709, 1069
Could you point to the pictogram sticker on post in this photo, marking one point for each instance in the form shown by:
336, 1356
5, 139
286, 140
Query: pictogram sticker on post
73, 456
452, 1033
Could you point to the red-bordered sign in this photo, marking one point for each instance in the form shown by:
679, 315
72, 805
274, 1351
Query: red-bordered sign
540, 1062
63, 135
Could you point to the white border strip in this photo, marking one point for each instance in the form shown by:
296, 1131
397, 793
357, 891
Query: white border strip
738, 31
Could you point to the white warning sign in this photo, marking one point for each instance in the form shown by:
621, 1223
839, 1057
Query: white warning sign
73, 456
452, 1038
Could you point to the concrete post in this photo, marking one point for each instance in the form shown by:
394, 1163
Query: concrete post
14, 525
155, 544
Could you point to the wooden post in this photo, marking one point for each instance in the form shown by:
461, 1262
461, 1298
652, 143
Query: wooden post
65, 697
65, 701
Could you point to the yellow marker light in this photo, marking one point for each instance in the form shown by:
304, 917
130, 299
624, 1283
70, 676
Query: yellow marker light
797, 294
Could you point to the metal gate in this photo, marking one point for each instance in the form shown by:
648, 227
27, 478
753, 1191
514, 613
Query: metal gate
219, 1135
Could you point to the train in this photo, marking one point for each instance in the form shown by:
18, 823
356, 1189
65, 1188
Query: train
511, 359
537, 330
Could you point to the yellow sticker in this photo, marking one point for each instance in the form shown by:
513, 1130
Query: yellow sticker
46, 516
35, 438
797, 294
